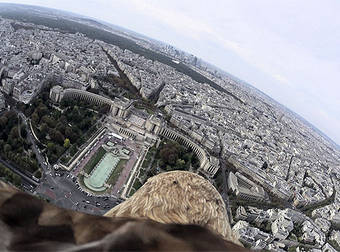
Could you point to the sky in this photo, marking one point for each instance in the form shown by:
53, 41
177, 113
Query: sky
286, 48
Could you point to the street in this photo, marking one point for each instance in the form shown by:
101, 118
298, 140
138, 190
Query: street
23, 176
39, 156
63, 192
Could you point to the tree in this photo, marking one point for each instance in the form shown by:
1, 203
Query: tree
85, 124
38, 174
14, 132
20, 149
81, 140
104, 109
23, 132
7, 148
66, 143
53, 158
2, 143
75, 115
56, 136
50, 147
292, 248
187, 157
29, 111
63, 119
94, 90
45, 96
42, 110
50, 122
69, 133
169, 168
12, 119
16, 180
180, 164
169, 153
34, 165
44, 128
73, 150
61, 127
3, 121
194, 161
35, 118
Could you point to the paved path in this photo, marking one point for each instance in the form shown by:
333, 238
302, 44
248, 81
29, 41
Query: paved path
123, 177
63, 192
23, 176
225, 191
28, 179
40, 158
87, 158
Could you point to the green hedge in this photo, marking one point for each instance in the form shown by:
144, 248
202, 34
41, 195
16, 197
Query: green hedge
10, 176
115, 174
94, 160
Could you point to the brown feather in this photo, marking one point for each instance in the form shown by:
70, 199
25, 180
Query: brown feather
30, 224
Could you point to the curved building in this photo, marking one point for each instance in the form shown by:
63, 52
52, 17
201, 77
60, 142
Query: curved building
208, 165
118, 107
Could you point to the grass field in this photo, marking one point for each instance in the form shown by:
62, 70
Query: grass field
115, 174
136, 185
94, 160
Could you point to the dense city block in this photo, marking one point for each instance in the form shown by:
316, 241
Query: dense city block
84, 122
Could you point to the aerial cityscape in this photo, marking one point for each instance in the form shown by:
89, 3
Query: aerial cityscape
89, 113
